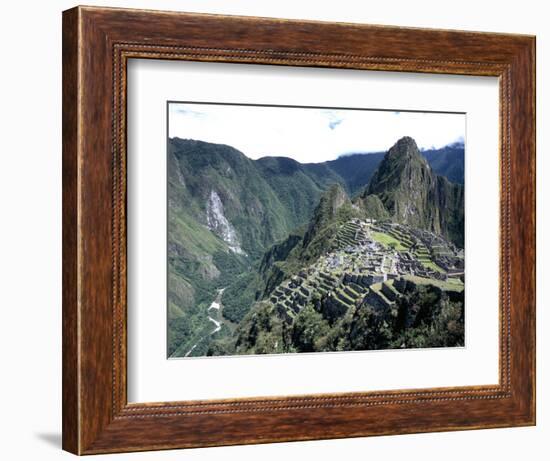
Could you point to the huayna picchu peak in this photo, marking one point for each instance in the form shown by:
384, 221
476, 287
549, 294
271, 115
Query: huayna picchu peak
413, 194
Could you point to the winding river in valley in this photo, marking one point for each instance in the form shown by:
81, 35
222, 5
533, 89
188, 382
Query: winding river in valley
215, 316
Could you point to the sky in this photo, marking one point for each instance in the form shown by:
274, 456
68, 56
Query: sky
310, 134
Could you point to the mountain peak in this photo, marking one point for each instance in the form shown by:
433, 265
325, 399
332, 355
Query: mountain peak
406, 140
402, 162
411, 193
336, 195
405, 147
331, 201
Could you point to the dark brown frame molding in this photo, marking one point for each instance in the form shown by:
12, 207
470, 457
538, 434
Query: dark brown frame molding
97, 43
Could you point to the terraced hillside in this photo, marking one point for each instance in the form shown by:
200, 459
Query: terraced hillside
361, 262
373, 267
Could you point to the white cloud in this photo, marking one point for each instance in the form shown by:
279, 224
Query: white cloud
307, 134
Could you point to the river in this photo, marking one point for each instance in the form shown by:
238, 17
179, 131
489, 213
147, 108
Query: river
216, 305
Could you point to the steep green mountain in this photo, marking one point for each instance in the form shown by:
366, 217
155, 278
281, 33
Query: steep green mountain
351, 283
297, 186
223, 189
356, 170
333, 207
447, 161
413, 194
297, 250
224, 211
286, 257
371, 274
238, 228
204, 249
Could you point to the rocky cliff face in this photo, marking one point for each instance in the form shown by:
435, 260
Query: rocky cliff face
331, 201
413, 194
219, 224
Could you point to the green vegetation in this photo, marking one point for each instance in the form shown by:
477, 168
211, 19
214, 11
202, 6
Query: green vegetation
309, 330
240, 295
452, 284
374, 208
427, 318
261, 332
193, 331
298, 187
286, 217
412, 194
388, 240
431, 265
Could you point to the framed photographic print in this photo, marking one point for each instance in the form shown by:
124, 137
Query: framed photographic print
280, 230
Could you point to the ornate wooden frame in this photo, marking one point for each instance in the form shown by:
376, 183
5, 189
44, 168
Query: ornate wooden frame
97, 43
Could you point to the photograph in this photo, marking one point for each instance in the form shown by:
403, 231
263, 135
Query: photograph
313, 229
